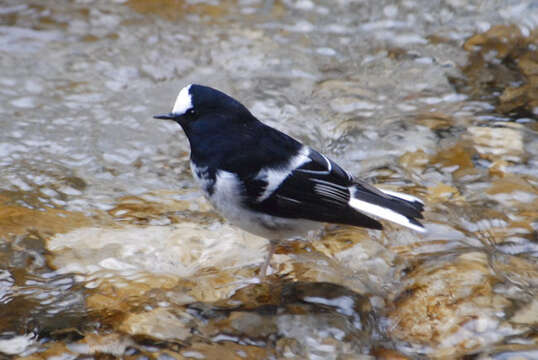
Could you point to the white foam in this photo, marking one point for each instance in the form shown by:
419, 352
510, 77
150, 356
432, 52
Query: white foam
343, 303
16, 345
183, 101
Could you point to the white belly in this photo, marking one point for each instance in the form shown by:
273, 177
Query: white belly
226, 198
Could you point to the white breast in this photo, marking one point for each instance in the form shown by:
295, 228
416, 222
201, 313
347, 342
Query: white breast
226, 197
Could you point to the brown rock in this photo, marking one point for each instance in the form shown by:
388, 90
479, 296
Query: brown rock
159, 324
493, 143
226, 351
515, 62
442, 192
19, 220
456, 158
528, 314
450, 306
501, 38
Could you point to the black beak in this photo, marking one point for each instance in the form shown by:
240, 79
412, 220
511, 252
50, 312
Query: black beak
165, 116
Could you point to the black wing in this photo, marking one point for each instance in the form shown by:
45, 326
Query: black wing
317, 190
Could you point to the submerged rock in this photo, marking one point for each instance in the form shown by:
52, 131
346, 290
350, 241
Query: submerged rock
180, 250
506, 59
450, 306
504, 142
160, 323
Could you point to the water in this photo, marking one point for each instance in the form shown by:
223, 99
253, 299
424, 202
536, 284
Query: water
107, 247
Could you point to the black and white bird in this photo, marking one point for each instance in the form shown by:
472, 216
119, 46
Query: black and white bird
269, 184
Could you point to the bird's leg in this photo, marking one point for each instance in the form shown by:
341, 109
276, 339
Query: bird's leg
270, 251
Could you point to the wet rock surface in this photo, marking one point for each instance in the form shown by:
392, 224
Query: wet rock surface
108, 250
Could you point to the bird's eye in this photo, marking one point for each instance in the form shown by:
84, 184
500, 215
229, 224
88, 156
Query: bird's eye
191, 112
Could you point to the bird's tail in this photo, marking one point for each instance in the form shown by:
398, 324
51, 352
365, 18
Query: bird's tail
399, 208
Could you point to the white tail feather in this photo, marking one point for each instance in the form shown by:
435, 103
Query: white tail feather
401, 195
384, 213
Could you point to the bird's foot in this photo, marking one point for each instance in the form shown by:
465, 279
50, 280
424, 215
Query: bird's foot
270, 251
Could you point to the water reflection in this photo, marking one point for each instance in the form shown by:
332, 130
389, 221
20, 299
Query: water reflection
107, 248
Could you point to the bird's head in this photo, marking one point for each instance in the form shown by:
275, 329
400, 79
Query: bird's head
201, 104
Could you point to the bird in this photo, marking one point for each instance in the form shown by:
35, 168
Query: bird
270, 184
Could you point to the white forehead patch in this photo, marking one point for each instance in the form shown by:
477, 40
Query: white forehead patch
183, 101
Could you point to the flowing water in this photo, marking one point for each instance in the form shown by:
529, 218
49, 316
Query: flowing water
108, 249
